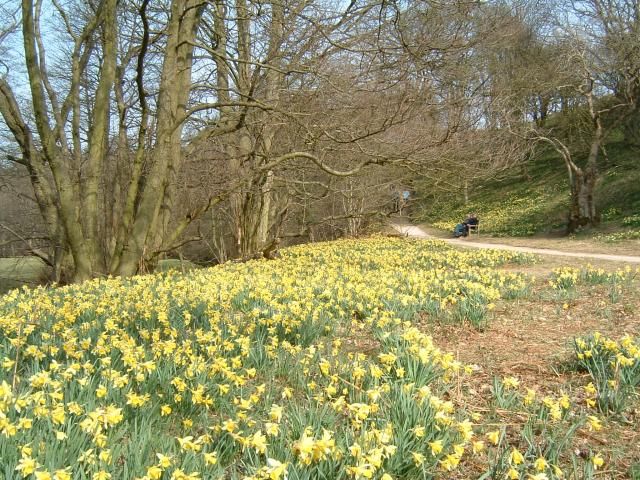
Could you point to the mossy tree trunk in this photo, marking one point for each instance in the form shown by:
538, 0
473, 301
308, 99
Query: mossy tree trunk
583, 207
67, 151
175, 86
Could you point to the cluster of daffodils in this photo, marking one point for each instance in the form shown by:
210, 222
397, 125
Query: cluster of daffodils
592, 275
631, 221
614, 367
631, 234
245, 370
533, 446
564, 278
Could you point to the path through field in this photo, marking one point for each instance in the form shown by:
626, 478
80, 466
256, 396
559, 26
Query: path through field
417, 232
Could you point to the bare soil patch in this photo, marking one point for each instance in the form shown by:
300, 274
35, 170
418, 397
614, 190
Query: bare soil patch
532, 339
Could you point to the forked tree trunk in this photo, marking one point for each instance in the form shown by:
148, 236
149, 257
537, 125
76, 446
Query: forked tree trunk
582, 181
583, 184
175, 86
583, 208
54, 147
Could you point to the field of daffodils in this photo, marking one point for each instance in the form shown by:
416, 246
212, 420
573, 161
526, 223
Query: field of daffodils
311, 366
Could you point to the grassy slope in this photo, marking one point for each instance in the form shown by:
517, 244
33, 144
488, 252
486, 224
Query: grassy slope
519, 203
18, 271
344, 286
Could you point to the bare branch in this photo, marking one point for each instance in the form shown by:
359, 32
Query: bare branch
27, 241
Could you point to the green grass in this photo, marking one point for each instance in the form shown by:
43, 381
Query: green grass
175, 264
534, 198
18, 271
31, 271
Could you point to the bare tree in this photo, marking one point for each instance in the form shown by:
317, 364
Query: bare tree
67, 151
584, 68
335, 94
286, 91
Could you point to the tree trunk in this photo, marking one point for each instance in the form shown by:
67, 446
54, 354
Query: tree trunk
583, 209
98, 144
54, 153
583, 183
35, 165
175, 86
631, 129
263, 227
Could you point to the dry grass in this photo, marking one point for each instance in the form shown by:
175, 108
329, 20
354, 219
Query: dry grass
627, 247
532, 340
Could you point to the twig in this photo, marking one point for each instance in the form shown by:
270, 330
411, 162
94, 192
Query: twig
586, 434
349, 383
34, 251
15, 364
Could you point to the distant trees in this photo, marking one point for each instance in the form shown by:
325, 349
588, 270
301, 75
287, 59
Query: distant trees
581, 64
601, 52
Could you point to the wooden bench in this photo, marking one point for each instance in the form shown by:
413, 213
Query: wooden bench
474, 228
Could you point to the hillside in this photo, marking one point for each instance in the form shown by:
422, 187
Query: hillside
326, 363
533, 199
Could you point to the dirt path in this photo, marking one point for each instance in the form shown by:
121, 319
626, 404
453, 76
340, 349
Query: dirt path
416, 232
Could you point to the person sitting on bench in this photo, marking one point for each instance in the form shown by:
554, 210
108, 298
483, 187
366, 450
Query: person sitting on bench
460, 230
471, 222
